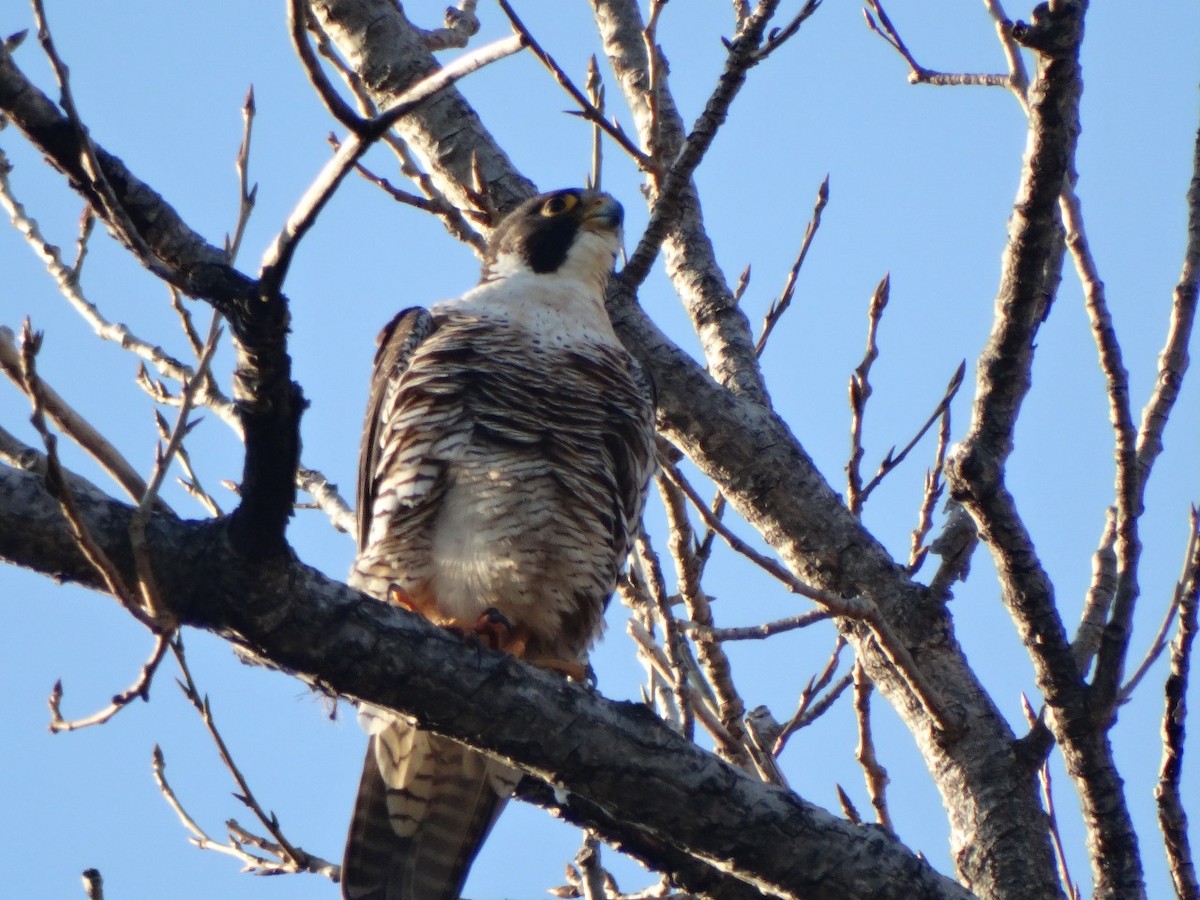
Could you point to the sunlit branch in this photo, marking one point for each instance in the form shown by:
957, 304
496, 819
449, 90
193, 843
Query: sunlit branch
1172, 815
755, 632
279, 256
918, 74
875, 774
711, 657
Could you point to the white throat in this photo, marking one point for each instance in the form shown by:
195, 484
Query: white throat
561, 307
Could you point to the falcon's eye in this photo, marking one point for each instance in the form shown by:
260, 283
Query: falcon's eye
559, 204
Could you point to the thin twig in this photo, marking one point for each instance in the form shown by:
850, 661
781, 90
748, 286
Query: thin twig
595, 94
703, 706
67, 281
452, 217
1060, 854
776, 569
143, 564
292, 858
246, 194
654, 72
1114, 647
658, 693
934, 487
714, 663
755, 632
1137, 456
234, 847
326, 498
56, 484
893, 459
114, 212
778, 36
87, 227
1155, 650
191, 481
860, 392
780, 305
398, 194
677, 654
805, 707
761, 732
299, 23
139, 689
742, 56
875, 774
852, 607
587, 109
1018, 77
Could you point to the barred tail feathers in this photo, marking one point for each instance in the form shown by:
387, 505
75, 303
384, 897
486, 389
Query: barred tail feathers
424, 806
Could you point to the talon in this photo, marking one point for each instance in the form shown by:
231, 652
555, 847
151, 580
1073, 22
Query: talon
401, 598
493, 629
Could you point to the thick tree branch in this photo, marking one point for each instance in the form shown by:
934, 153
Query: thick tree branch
998, 844
599, 755
977, 470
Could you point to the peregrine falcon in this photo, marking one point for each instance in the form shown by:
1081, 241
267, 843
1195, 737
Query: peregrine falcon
508, 444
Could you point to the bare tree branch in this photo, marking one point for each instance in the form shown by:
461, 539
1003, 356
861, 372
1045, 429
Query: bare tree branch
278, 257
976, 470
588, 110
72, 423
139, 689
780, 305
1172, 815
342, 641
918, 74
876, 775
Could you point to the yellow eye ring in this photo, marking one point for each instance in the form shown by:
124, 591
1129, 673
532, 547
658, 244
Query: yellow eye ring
559, 204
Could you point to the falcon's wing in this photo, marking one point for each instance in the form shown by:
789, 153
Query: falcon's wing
396, 343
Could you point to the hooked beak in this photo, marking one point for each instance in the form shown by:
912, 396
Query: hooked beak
601, 211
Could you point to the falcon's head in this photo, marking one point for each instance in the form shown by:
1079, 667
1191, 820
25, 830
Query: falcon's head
571, 232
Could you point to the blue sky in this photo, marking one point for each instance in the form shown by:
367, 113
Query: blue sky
922, 181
